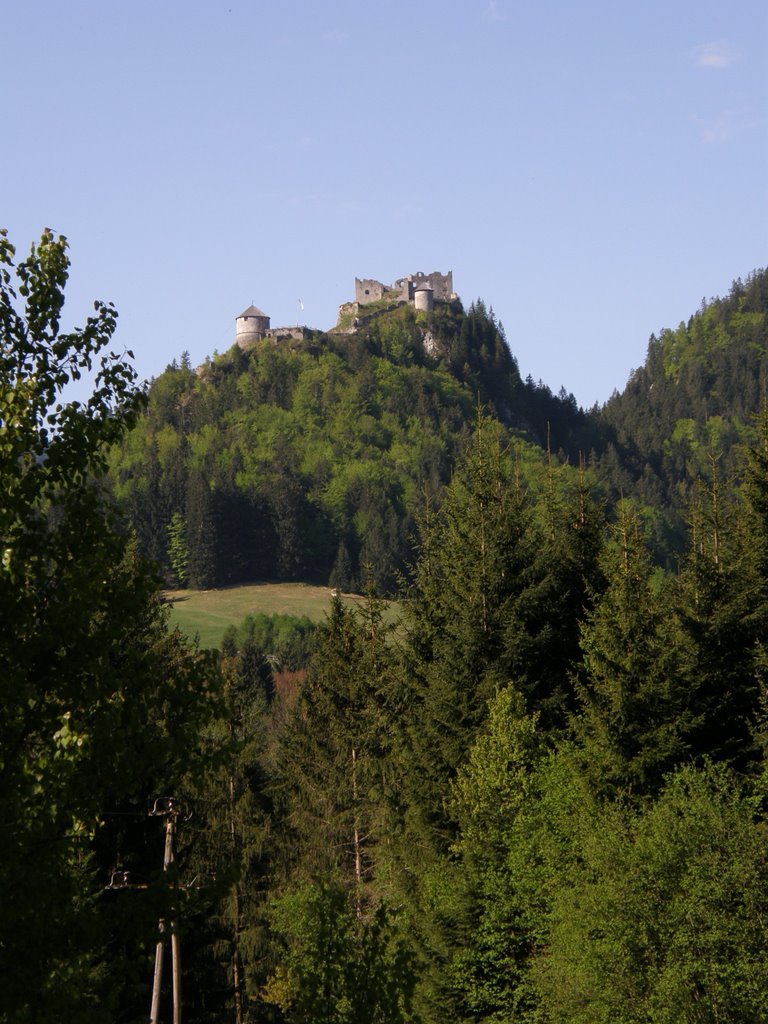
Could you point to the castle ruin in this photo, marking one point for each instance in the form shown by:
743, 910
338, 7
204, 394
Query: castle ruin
405, 289
419, 290
252, 325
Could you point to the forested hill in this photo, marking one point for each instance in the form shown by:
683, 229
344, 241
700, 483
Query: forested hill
310, 459
685, 412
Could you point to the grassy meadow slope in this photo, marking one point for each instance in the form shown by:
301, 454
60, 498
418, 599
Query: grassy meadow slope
208, 613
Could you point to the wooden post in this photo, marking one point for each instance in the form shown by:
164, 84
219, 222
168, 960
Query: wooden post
155, 1010
154, 1013
236, 979
176, 970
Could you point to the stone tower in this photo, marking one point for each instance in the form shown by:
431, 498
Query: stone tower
251, 326
424, 296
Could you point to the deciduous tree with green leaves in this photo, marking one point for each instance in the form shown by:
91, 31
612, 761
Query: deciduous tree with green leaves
98, 701
337, 967
661, 917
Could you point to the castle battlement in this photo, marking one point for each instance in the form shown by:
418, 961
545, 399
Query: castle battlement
404, 289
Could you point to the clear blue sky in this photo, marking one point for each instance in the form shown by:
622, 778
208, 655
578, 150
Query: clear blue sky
590, 168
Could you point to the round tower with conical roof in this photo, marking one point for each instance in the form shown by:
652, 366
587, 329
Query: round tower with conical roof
251, 326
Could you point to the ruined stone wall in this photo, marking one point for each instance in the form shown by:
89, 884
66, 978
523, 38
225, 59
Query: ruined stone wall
368, 290
441, 285
286, 333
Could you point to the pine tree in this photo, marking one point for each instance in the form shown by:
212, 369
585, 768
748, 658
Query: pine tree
328, 775
178, 555
200, 533
475, 566
342, 577
634, 717
723, 606
542, 637
490, 960
754, 530
229, 849
473, 555
333, 789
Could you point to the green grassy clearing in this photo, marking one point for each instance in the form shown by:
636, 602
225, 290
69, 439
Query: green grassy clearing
208, 613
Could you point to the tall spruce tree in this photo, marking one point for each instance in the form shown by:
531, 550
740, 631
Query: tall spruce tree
472, 625
542, 633
332, 788
722, 602
473, 557
754, 519
502, 579
228, 849
489, 963
327, 773
634, 716
200, 532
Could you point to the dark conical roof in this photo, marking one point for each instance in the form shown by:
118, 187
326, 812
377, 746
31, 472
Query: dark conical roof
251, 311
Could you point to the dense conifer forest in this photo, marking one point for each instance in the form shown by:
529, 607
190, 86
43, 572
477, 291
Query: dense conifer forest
539, 796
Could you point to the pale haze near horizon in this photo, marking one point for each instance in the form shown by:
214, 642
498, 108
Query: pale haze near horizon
590, 170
